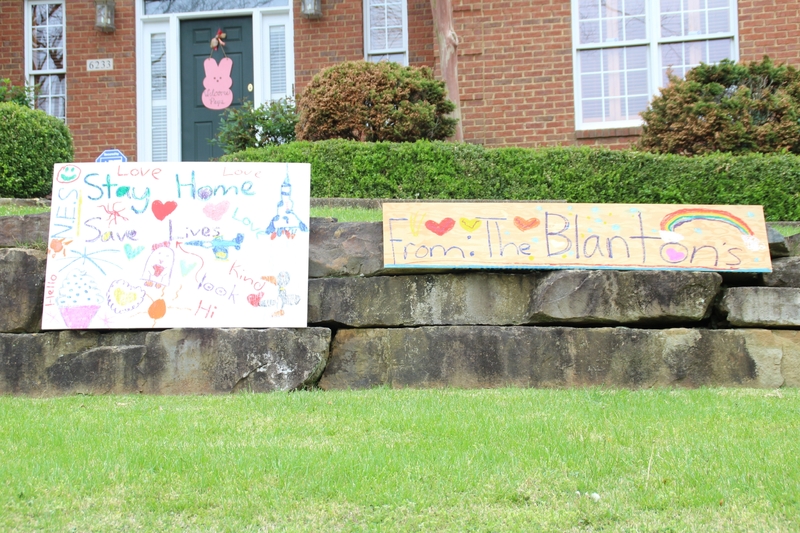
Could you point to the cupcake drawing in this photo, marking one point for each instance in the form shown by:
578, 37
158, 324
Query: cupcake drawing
78, 299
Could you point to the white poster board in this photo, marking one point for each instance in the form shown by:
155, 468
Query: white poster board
163, 245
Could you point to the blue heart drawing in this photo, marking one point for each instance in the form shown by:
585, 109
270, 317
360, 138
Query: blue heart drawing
132, 252
186, 267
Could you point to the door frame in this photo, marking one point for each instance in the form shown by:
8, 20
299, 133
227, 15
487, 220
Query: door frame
148, 25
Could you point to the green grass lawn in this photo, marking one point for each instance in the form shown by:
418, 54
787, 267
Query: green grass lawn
404, 460
19, 210
341, 213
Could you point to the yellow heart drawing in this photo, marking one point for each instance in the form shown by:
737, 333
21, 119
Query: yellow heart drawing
123, 297
469, 224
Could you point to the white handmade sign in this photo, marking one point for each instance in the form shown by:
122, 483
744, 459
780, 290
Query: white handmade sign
161, 245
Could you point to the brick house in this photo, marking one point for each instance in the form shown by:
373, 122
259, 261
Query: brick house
532, 72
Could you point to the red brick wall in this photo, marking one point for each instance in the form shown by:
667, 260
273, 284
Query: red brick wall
319, 43
101, 106
769, 28
12, 54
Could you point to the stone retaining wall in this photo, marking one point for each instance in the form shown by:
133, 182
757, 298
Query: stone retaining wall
369, 327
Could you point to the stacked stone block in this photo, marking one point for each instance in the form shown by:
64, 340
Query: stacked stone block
370, 326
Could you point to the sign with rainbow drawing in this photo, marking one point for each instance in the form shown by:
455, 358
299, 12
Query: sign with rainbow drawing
562, 235
163, 245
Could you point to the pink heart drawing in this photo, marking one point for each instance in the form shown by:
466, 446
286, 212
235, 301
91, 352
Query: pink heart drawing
216, 211
675, 256
440, 228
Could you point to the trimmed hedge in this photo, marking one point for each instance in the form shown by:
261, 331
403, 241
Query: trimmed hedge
31, 142
583, 175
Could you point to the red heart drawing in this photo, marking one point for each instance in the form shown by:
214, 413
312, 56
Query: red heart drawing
254, 299
525, 224
158, 269
442, 227
216, 211
162, 210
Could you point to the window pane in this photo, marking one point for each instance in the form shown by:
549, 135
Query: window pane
592, 110
377, 16
670, 25
694, 23
636, 57
588, 9
277, 62
637, 83
719, 21
590, 61
720, 49
634, 7
611, 30
636, 105
39, 38
377, 39
394, 15
395, 38
38, 60
590, 86
55, 60
55, 36
158, 95
158, 66
39, 14
635, 28
589, 32
55, 15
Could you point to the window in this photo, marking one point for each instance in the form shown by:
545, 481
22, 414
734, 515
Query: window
623, 50
46, 65
386, 31
158, 96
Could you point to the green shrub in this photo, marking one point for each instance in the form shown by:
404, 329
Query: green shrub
728, 108
13, 93
31, 142
383, 101
444, 170
248, 127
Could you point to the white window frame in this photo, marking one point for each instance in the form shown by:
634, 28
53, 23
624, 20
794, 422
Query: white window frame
29, 72
372, 55
653, 41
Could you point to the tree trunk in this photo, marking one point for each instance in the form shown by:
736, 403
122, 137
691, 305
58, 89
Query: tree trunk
448, 45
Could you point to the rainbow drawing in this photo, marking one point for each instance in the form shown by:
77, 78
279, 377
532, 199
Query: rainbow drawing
683, 216
672, 221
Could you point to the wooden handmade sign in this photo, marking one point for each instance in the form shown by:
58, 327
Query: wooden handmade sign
562, 235
161, 245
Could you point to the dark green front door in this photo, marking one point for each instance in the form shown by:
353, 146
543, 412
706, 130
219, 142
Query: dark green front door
198, 123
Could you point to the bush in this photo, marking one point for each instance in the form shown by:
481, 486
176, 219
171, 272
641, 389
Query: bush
431, 170
31, 142
383, 101
727, 108
16, 94
248, 127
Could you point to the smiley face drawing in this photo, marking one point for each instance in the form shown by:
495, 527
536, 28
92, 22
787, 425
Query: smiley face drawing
68, 174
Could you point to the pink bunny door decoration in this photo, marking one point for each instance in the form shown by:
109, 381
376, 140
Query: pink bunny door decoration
217, 83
